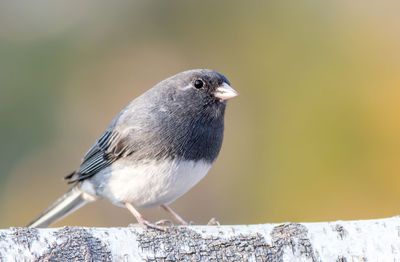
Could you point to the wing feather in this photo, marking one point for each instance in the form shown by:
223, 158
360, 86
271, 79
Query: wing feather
111, 146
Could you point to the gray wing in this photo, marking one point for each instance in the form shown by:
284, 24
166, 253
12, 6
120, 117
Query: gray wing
111, 146
131, 130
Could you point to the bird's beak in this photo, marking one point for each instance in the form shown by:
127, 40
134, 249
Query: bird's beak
224, 92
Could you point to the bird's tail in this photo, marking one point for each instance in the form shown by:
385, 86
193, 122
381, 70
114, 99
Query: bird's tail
65, 205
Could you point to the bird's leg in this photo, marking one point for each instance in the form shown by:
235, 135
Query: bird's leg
174, 215
142, 221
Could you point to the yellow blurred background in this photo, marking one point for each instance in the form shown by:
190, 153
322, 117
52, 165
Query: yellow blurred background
313, 136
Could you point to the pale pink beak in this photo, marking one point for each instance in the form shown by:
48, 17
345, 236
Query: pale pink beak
224, 92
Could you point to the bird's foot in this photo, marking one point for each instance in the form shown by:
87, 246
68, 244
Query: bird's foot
160, 225
142, 221
165, 222
213, 222
147, 224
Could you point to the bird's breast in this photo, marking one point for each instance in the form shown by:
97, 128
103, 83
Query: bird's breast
149, 183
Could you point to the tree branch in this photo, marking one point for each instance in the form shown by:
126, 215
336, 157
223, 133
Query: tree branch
364, 240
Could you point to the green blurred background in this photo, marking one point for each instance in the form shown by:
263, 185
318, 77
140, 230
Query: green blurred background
313, 136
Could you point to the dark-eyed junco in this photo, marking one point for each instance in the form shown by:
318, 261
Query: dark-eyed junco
156, 149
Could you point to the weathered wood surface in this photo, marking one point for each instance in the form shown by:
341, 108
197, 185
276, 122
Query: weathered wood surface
364, 240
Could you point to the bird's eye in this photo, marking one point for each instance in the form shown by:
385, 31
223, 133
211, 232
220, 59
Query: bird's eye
198, 84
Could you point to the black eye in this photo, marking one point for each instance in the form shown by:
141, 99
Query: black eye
198, 83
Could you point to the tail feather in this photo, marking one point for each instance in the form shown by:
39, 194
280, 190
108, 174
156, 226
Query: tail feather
65, 205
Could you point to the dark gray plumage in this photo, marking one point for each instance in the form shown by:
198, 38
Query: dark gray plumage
173, 126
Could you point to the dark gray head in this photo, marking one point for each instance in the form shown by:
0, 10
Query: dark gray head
195, 90
205, 83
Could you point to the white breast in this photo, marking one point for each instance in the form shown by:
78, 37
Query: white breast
150, 184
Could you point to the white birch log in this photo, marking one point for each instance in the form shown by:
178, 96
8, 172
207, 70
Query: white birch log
341, 241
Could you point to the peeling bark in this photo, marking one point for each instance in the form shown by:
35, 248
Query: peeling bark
364, 240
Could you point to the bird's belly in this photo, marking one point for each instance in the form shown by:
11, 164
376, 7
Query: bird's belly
152, 183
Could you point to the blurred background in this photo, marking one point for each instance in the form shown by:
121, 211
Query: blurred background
313, 136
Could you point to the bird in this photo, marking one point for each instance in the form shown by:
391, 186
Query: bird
155, 150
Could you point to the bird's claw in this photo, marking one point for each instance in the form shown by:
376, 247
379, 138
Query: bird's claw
213, 222
165, 222
146, 224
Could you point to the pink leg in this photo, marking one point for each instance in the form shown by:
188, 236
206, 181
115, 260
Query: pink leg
142, 221
175, 215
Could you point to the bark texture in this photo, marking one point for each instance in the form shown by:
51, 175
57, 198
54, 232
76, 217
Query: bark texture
341, 241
